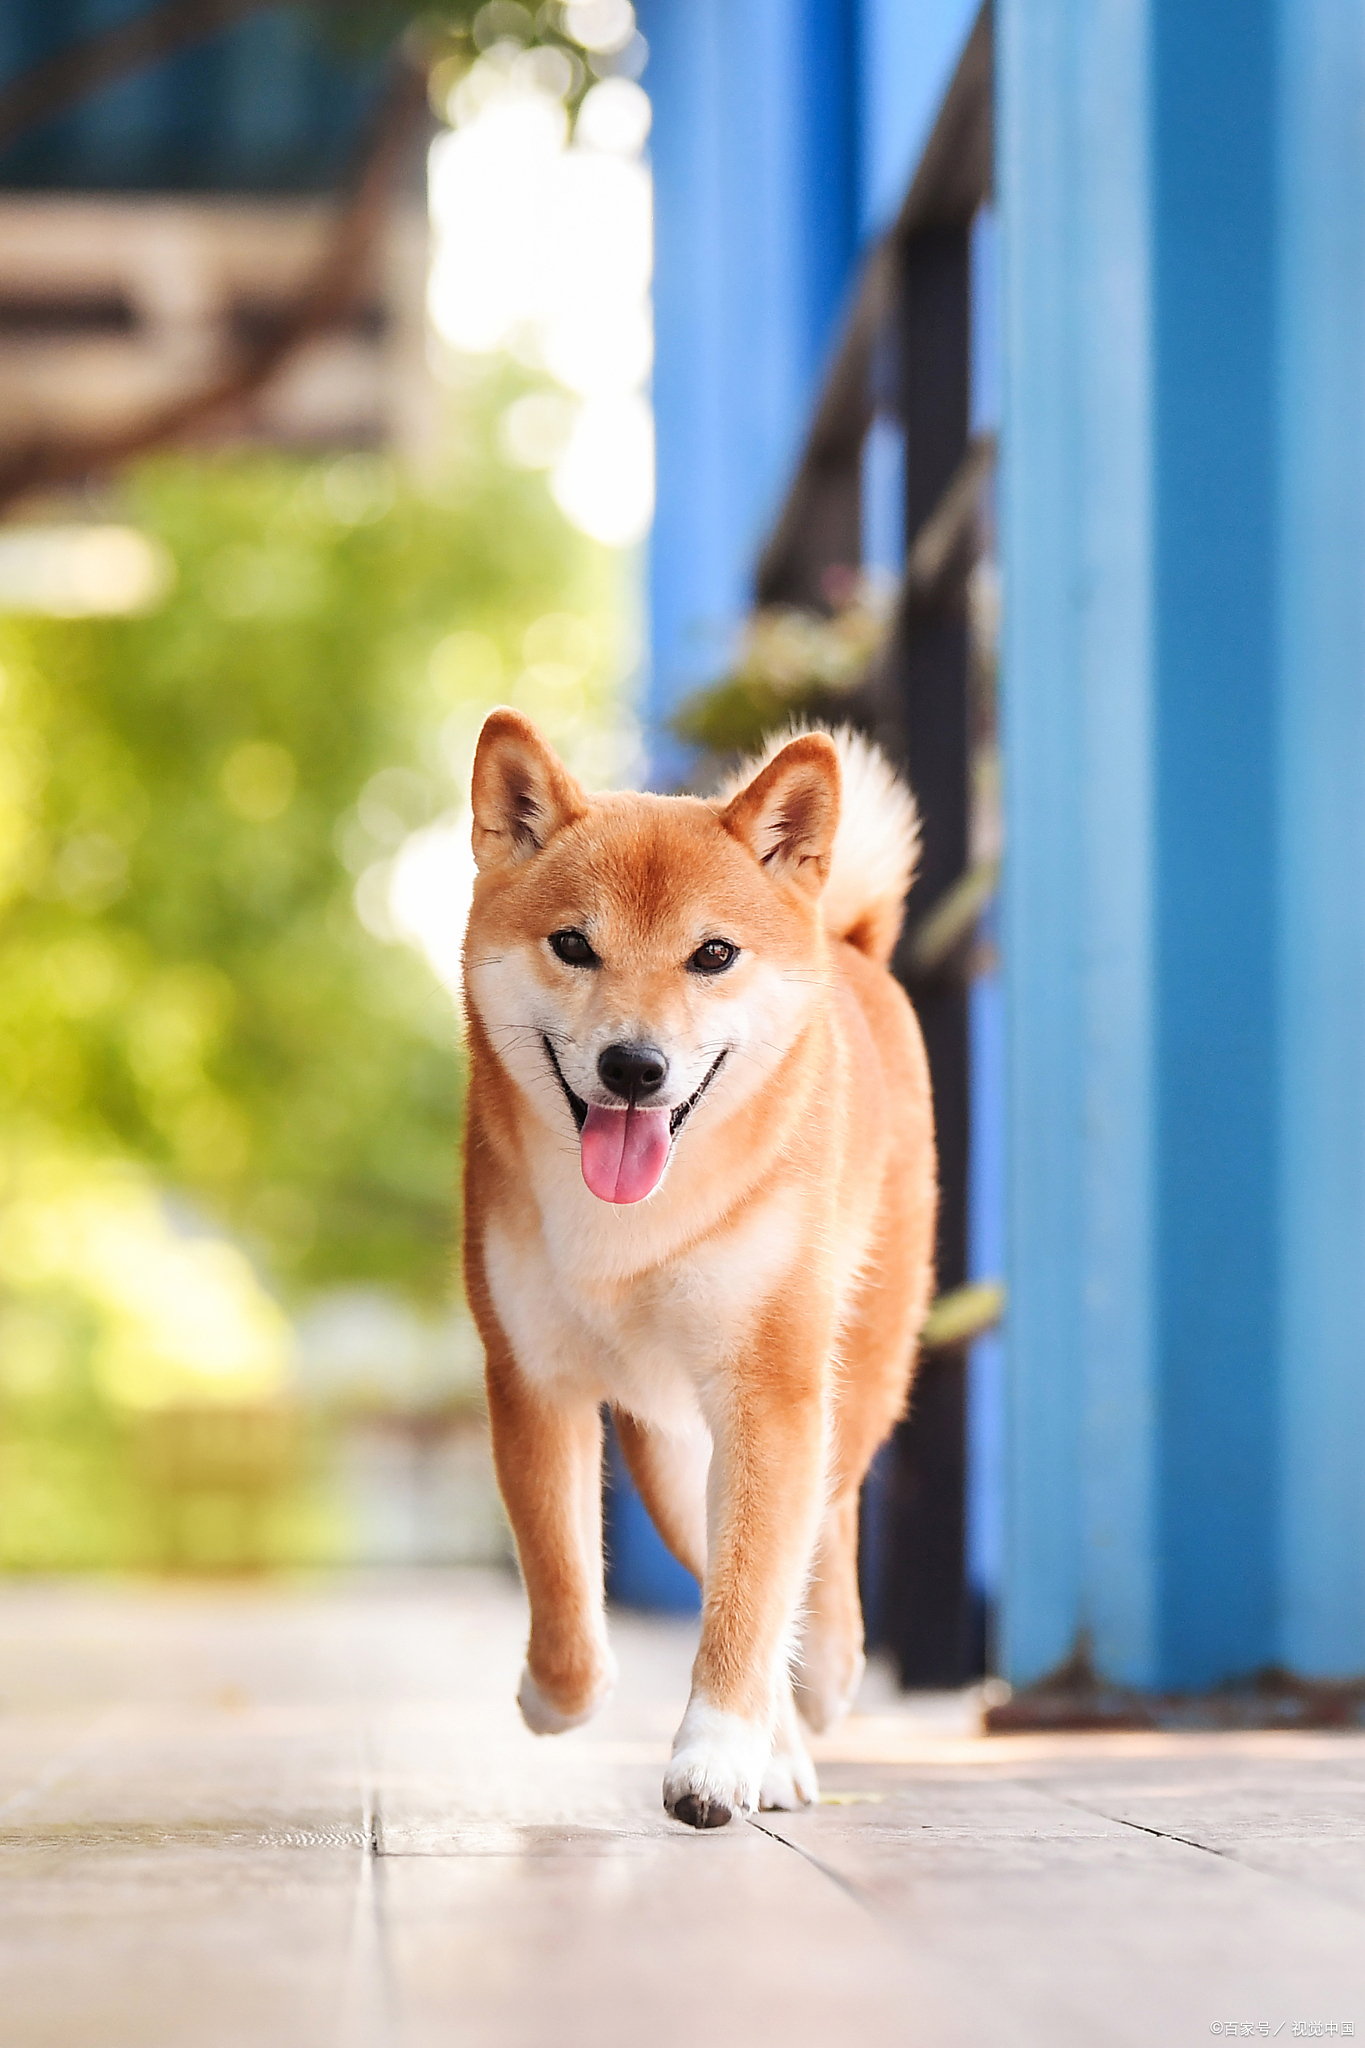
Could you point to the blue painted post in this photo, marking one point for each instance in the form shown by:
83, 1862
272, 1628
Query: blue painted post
1322, 837
1077, 716
1214, 655
1183, 197
755, 235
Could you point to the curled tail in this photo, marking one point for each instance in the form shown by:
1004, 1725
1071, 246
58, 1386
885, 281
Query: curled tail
876, 847
876, 851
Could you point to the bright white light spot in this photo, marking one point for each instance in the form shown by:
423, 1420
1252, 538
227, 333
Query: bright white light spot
371, 899
615, 116
430, 888
600, 361
543, 248
491, 184
600, 25
534, 431
604, 481
76, 572
502, 19
545, 69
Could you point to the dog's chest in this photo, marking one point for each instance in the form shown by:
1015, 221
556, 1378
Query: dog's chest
647, 1342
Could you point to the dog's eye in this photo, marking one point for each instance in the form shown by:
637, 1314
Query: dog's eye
713, 956
573, 949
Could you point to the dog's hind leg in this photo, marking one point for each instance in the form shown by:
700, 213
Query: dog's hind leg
549, 1461
670, 1472
789, 1783
831, 1661
878, 1346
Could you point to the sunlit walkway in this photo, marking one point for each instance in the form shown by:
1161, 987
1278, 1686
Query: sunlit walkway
308, 1814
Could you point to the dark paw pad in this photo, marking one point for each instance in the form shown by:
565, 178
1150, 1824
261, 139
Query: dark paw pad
697, 1812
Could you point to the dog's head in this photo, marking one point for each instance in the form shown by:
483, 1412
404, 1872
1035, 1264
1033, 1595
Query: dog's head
630, 957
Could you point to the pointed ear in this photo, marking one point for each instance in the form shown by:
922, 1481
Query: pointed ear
788, 814
520, 791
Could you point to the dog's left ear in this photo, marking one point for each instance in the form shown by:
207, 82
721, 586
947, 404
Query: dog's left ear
788, 814
520, 791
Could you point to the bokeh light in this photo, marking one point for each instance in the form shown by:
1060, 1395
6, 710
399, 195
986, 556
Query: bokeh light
542, 249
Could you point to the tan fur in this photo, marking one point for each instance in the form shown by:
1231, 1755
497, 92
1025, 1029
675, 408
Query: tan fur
753, 1321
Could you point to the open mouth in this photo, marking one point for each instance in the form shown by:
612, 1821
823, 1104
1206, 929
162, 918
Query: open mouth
626, 1150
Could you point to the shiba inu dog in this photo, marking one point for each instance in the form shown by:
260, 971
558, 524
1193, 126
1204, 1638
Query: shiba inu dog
699, 1186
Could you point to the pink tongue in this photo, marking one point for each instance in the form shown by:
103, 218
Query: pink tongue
625, 1152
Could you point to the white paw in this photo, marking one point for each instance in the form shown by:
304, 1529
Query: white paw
789, 1783
543, 1719
825, 1693
717, 1768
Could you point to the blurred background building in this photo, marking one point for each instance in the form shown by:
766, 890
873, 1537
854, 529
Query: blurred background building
1000, 371
156, 227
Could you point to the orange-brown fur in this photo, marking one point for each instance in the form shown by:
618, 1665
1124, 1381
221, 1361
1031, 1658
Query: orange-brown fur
764, 1301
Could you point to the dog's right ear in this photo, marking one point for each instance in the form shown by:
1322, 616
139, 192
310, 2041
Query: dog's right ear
520, 790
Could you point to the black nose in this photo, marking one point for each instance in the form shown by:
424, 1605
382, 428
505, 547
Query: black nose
633, 1070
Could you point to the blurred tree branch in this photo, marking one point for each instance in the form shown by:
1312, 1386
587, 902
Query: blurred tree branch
325, 295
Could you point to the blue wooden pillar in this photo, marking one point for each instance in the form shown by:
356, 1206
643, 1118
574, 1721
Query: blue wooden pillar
1183, 517
1072, 166
756, 228
1321, 901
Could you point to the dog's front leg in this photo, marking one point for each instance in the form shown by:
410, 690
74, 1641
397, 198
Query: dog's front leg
549, 1460
767, 1475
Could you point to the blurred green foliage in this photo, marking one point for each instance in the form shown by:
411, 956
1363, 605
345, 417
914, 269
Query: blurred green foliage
789, 665
190, 1007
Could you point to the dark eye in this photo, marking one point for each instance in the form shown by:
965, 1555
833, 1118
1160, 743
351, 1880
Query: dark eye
713, 956
573, 949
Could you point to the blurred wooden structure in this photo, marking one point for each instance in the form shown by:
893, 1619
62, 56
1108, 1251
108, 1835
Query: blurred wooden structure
165, 229
113, 305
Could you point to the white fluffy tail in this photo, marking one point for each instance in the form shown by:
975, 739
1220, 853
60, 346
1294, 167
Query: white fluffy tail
876, 847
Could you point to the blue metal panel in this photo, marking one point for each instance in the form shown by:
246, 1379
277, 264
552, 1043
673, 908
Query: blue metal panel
1322, 894
1041, 922
1112, 595
1215, 648
1072, 173
755, 236
1184, 523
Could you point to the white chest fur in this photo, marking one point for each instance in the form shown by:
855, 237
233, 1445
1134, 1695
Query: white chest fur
650, 1339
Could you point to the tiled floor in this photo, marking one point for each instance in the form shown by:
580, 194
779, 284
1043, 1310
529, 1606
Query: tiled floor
308, 1814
